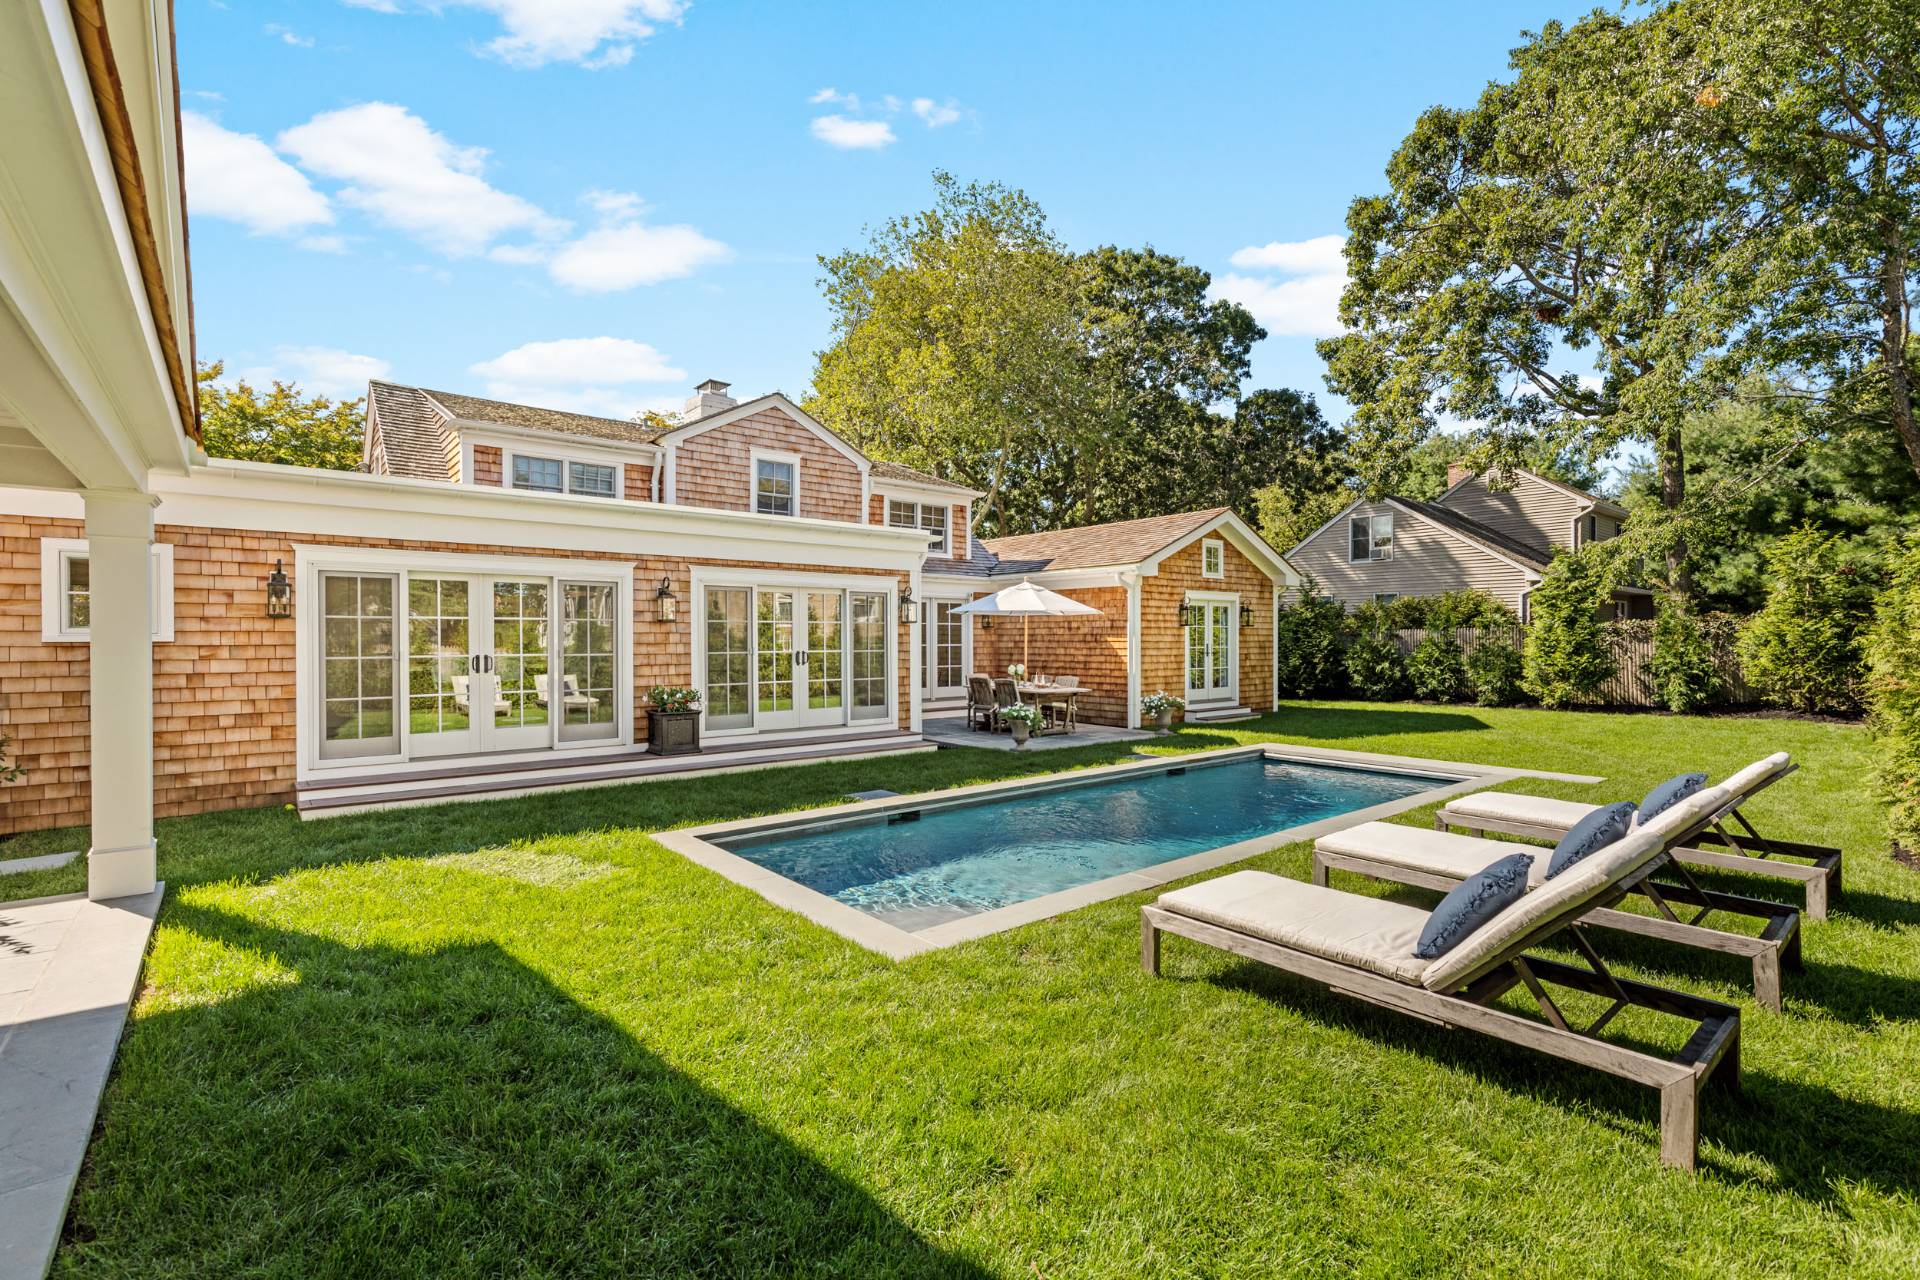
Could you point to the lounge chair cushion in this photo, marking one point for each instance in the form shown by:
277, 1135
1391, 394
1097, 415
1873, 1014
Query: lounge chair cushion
1346, 928
1756, 773
1443, 853
1589, 835
1507, 808
1670, 792
1564, 897
1473, 902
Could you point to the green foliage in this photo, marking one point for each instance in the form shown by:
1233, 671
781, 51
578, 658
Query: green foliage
1685, 678
1069, 388
1154, 703
672, 698
1803, 649
1893, 698
1288, 516
10, 770
1465, 607
1494, 671
1438, 669
1566, 655
1375, 668
281, 426
1307, 639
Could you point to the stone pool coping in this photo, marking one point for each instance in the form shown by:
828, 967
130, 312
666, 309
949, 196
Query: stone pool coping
696, 843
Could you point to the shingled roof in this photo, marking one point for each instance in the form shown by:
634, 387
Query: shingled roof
1473, 530
1096, 545
475, 409
413, 431
896, 471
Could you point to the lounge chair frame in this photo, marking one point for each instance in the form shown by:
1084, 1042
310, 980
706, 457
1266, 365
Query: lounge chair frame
1711, 1055
1777, 947
1746, 851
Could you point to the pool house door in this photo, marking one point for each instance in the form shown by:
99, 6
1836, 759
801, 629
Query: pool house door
1213, 664
946, 673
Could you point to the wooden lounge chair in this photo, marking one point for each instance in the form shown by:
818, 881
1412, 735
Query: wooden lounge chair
1440, 860
462, 698
1363, 947
1815, 867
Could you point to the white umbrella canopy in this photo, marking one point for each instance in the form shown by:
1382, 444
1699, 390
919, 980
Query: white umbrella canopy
1026, 601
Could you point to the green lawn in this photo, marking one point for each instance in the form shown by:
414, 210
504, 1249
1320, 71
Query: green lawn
520, 1038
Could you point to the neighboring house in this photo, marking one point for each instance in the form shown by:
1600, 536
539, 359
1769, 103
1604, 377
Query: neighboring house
1496, 540
484, 606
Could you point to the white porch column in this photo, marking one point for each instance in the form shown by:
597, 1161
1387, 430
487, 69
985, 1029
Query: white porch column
120, 692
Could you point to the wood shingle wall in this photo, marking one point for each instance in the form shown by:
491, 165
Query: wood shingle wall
715, 468
1163, 642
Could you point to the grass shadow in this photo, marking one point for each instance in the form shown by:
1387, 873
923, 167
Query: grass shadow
1789, 1125
369, 1110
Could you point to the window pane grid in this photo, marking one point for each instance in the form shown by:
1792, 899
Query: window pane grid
587, 661
592, 479
868, 654
729, 696
357, 663
773, 488
539, 474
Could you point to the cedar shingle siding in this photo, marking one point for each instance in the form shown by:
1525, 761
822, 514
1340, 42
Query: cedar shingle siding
714, 468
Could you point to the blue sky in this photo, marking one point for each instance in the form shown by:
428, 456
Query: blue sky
595, 203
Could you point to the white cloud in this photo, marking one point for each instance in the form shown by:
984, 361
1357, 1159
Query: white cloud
853, 135
1305, 303
593, 33
410, 177
851, 101
625, 254
323, 371
937, 115
587, 375
289, 36
238, 177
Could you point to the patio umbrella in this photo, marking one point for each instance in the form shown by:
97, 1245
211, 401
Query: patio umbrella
1026, 602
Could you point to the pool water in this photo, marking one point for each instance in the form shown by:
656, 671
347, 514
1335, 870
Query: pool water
914, 872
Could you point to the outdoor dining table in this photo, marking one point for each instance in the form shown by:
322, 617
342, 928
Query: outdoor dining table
1039, 693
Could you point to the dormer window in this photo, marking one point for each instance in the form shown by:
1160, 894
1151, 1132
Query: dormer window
1370, 537
776, 484
542, 475
1213, 558
930, 518
556, 475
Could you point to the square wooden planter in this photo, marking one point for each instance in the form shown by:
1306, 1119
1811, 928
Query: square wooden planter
673, 733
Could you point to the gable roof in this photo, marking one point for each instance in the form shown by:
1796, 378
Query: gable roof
533, 418
883, 470
1592, 500
1487, 537
412, 431
1096, 545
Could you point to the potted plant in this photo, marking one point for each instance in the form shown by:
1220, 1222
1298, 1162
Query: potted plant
1160, 708
1023, 718
673, 721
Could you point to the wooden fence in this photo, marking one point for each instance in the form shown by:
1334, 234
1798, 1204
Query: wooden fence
1631, 645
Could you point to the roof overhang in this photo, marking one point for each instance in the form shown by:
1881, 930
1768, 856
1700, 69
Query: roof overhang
1242, 536
97, 391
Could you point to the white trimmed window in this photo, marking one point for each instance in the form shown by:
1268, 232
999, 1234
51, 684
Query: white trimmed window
542, 475
1213, 558
929, 518
776, 484
66, 591
1370, 537
593, 479
538, 474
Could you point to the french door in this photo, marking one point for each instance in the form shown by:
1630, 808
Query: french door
794, 657
946, 649
1212, 664
424, 663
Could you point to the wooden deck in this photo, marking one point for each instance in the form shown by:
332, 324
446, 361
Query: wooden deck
459, 780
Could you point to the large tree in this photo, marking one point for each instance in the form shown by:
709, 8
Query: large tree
1815, 108
1555, 263
281, 425
1071, 388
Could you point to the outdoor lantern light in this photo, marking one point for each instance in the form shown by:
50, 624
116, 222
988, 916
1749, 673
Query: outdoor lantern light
909, 607
1189, 613
279, 592
1246, 616
666, 606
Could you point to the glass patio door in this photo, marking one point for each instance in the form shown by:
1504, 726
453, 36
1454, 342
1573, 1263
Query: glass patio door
776, 665
825, 659
1211, 669
946, 649
521, 665
446, 680
466, 695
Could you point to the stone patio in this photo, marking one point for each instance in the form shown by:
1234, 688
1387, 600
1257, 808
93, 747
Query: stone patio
952, 731
68, 971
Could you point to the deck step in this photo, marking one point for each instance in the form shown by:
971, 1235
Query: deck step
1217, 714
354, 795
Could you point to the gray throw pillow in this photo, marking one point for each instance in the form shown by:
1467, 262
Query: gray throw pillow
1595, 831
1474, 901
1670, 793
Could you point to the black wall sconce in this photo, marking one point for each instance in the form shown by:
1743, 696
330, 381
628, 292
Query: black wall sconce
1246, 616
909, 607
666, 605
1189, 613
279, 592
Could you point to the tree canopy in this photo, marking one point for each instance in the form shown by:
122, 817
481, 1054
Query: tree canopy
282, 425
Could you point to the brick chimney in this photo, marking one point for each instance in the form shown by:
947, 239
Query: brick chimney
710, 397
1456, 472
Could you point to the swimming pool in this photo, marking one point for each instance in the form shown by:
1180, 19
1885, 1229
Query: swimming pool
918, 866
